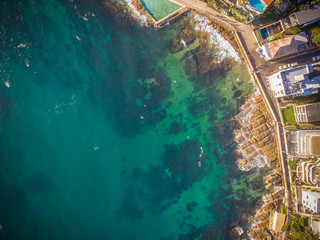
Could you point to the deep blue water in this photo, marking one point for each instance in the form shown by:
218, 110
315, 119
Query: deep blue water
102, 130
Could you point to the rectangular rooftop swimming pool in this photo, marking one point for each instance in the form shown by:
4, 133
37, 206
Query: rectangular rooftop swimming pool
257, 4
264, 33
159, 9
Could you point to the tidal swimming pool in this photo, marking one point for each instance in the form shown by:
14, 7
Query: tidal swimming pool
159, 9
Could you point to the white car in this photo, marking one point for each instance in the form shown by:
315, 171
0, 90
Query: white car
292, 64
316, 58
283, 67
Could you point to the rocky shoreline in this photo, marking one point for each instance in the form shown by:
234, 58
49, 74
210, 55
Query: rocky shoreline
256, 138
257, 149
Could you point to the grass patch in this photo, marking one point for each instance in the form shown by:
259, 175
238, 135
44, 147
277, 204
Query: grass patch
256, 33
311, 99
284, 209
303, 126
292, 163
293, 176
291, 128
288, 116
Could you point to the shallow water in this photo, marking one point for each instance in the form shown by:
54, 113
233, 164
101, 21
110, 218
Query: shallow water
102, 130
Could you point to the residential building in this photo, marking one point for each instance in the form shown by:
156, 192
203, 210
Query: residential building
285, 46
311, 201
302, 18
308, 16
309, 173
315, 225
304, 143
307, 113
295, 82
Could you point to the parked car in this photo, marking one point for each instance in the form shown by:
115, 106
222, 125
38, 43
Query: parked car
316, 58
283, 67
292, 64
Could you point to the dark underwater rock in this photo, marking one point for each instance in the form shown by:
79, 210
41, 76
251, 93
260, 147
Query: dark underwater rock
191, 206
187, 35
176, 45
6, 105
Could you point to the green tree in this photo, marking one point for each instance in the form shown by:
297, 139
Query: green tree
315, 33
292, 163
305, 235
283, 209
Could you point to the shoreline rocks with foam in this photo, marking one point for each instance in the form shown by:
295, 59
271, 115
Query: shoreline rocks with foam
126, 10
257, 149
256, 137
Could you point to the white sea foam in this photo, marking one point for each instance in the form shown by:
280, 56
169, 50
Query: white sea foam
21, 45
225, 50
183, 42
142, 19
7, 84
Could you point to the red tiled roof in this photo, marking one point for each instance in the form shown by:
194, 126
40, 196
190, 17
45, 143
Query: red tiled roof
268, 2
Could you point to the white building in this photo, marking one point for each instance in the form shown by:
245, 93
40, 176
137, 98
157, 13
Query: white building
295, 82
305, 143
307, 113
308, 172
311, 201
315, 225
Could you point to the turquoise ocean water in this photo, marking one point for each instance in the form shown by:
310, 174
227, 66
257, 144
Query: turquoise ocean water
102, 130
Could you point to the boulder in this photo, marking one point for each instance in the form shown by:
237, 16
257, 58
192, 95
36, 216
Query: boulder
188, 35
176, 45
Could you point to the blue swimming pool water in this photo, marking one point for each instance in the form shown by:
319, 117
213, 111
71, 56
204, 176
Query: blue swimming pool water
264, 33
256, 4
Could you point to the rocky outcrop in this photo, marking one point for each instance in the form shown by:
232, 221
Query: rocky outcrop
228, 35
126, 12
256, 136
258, 149
186, 36
140, 8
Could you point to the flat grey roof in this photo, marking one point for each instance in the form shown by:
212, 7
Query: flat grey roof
308, 15
291, 73
313, 112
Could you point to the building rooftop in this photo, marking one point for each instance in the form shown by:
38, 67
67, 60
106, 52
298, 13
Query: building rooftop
299, 81
268, 2
277, 221
304, 143
315, 145
285, 46
315, 224
308, 16
307, 113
